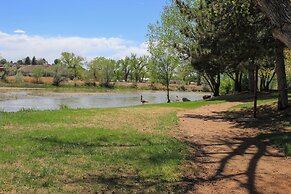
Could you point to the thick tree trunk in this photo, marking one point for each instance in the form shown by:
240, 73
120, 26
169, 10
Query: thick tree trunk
216, 90
216, 85
279, 12
281, 77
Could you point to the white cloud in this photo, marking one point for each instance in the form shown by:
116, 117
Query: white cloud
19, 31
18, 46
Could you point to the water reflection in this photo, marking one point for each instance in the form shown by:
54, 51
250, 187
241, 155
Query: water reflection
52, 101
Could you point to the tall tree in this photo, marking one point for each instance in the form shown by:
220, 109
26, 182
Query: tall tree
73, 62
57, 61
37, 74
124, 68
27, 61
281, 77
60, 73
33, 62
104, 70
3, 61
138, 67
164, 63
279, 12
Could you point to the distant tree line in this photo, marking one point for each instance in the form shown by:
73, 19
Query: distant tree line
105, 71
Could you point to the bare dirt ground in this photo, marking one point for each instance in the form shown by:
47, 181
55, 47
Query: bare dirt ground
230, 157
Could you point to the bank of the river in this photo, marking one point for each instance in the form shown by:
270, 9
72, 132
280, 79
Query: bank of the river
131, 149
88, 150
15, 99
116, 86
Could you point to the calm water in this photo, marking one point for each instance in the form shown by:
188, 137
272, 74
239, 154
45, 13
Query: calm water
51, 101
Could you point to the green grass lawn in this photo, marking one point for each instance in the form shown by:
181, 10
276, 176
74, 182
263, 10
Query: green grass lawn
85, 150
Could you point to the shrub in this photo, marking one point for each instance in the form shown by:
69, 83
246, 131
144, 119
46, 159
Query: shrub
226, 86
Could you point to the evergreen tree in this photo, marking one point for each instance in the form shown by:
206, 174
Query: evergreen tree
27, 61
33, 62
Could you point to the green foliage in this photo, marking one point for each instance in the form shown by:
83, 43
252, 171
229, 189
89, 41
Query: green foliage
57, 61
282, 140
214, 39
27, 61
164, 63
3, 61
226, 86
186, 73
164, 60
8, 71
124, 69
18, 77
73, 63
20, 62
103, 70
138, 67
59, 73
37, 73
33, 62
288, 66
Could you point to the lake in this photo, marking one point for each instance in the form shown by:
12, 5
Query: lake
16, 101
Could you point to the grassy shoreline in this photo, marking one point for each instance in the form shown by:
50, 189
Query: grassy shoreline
116, 86
128, 149
120, 149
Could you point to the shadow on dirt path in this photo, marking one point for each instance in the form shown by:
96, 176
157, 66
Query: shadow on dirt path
232, 156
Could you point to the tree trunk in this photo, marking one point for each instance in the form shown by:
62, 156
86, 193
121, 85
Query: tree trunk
75, 76
216, 85
125, 77
281, 77
262, 84
256, 69
168, 93
279, 12
251, 77
213, 83
237, 82
216, 90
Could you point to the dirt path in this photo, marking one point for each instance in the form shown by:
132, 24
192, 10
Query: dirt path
231, 158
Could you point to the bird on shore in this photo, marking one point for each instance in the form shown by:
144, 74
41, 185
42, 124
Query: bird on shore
185, 100
143, 101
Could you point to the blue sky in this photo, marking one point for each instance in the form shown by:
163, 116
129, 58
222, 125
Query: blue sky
121, 23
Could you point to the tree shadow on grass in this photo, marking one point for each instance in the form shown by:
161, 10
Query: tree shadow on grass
119, 177
247, 97
272, 126
268, 119
133, 183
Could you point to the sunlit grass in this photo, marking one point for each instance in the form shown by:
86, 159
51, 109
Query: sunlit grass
90, 150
